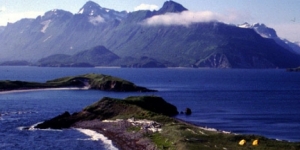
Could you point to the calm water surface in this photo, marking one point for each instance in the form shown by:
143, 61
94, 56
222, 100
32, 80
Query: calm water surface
264, 102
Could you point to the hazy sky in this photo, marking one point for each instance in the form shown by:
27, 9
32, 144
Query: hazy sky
282, 15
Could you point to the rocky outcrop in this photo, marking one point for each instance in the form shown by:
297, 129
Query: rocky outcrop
188, 111
57, 122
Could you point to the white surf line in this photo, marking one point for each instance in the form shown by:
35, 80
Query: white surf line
42, 89
32, 128
95, 136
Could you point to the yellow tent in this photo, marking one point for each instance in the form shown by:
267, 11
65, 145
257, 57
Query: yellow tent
242, 142
255, 143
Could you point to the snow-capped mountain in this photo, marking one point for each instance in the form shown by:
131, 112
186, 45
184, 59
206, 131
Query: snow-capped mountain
267, 32
95, 11
202, 44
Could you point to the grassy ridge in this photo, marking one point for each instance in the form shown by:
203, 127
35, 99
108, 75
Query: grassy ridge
93, 81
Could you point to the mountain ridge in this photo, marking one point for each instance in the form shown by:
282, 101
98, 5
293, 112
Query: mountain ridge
204, 44
268, 32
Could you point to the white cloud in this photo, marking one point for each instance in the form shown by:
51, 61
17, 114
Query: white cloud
3, 8
288, 31
146, 7
96, 20
186, 18
13, 17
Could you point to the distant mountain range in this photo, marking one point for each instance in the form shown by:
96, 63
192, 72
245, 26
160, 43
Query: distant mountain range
267, 32
100, 36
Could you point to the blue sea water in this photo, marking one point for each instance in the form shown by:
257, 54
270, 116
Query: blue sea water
263, 102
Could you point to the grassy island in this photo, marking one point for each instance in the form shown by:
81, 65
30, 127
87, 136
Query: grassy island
89, 81
147, 122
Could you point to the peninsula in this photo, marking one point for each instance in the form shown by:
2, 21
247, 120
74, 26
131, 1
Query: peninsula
87, 81
147, 122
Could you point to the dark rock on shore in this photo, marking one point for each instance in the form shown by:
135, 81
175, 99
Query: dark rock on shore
58, 122
188, 111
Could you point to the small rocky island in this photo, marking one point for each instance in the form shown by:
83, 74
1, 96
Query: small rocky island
146, 122
293, 69
88, 81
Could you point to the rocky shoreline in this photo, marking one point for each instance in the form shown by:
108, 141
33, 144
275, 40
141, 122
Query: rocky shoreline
120, 134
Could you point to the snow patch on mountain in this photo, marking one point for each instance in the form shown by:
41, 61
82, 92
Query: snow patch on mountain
95, 10
81, 11
95, 20
46, 25
47, 38
92, 13
261, 29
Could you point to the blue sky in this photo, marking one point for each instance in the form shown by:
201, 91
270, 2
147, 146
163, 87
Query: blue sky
278, 14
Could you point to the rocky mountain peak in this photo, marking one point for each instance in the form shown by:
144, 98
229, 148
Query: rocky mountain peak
261, 29
93, 9
171, 6
89, 8
265, 31
55, 13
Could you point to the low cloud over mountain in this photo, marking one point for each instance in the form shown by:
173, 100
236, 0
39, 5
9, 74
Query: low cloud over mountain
186, 18
171, 36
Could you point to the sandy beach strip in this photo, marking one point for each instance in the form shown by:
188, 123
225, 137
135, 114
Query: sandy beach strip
41, 89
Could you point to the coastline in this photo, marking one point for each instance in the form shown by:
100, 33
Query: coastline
118, 133
41, 89
125, 137
96, 136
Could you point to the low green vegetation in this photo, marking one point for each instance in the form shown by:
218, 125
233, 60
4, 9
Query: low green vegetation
185, 136
91, 81
133, 129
